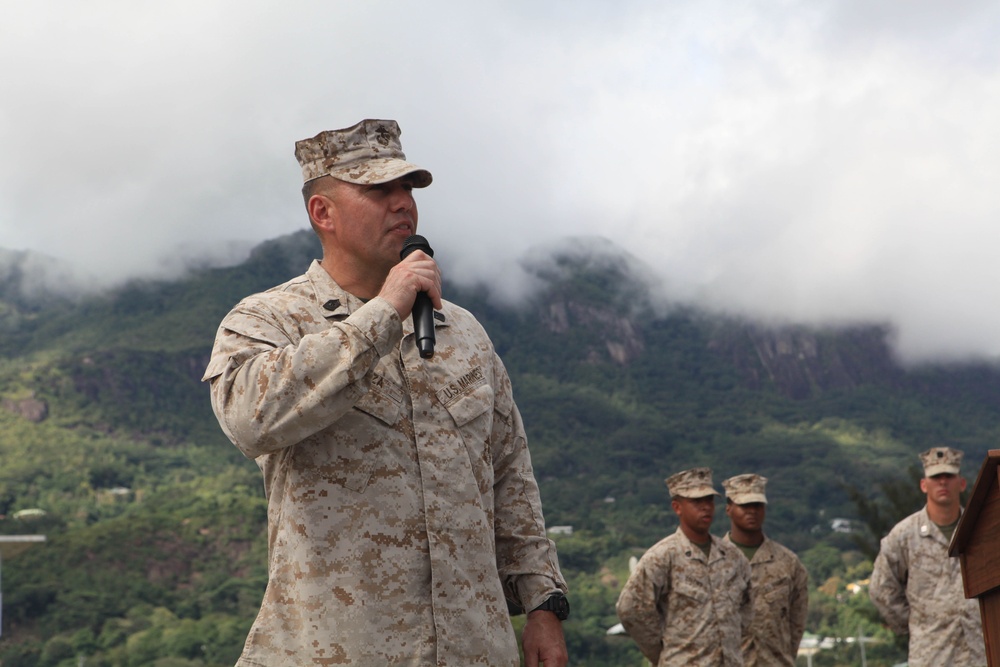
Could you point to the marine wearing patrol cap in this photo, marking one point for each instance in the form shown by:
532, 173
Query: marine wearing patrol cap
367, 153
744, 489
693, 483
941, 460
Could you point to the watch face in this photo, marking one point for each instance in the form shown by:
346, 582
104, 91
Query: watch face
560, 605
564, 611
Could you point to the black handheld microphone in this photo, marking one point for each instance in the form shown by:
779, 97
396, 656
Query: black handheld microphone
423, 310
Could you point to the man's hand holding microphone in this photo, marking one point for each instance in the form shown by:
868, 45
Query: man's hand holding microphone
414, 286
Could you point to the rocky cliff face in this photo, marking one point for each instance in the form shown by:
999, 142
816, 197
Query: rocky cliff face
802, 362
616, 338
799, 362
598, 297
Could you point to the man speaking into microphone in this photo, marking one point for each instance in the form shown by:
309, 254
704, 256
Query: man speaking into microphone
403, 514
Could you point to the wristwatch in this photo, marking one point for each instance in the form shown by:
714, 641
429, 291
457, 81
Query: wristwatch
558, 604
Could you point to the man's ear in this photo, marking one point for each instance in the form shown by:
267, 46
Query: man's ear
923, 484
322, 211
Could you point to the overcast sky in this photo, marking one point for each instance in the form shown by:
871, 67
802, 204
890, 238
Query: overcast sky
810, 161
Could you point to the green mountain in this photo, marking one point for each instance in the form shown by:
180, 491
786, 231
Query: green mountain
155, 524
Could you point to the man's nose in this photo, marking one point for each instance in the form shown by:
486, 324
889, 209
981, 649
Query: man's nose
402, 199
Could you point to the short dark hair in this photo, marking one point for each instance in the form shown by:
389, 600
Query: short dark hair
309, 188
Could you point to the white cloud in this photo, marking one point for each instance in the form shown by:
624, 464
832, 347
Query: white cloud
813, 161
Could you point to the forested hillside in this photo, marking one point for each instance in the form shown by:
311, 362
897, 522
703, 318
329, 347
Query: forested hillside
155, 524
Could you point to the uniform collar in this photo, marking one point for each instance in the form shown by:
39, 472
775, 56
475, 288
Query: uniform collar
339, 303
764, 552
927, 527
331, 297
692, 550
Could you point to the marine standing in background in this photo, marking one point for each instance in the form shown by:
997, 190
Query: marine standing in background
917, 586
780, 582
688, 601
402, 511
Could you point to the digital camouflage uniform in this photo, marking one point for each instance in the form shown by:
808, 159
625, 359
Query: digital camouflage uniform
918, 590
683, 610
780, 586
780, 604
402, 507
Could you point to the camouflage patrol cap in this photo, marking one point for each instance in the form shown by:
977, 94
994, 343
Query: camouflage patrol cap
940, 460
693, 483
365, 154
748, 488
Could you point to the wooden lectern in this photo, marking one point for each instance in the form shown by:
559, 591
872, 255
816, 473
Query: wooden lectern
977, 542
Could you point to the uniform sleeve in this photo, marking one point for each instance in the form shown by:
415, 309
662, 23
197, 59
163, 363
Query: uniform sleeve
887, 588
526, 558
638, 610
272, 388
798, 605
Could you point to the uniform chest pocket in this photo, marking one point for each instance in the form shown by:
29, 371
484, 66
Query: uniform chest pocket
926, 562
471, 406
473, 415
692, 590
383, 400
773, 592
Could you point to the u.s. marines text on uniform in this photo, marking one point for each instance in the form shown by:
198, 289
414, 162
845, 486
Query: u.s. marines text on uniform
403, 513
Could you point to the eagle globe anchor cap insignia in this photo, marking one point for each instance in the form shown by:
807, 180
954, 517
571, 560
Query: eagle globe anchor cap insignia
941, 460
748, 488
367, 153
693, 483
